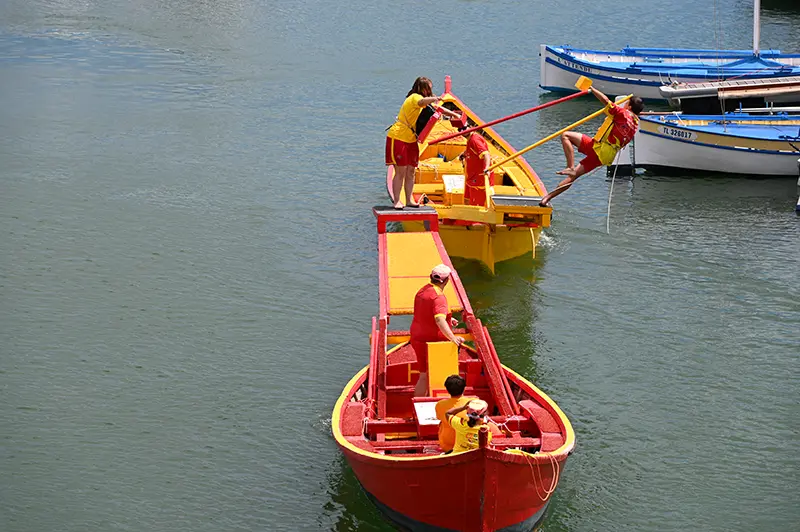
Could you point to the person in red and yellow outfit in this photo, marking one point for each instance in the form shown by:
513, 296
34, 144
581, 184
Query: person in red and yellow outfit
402, 150
431, 322
476, 161
613, 135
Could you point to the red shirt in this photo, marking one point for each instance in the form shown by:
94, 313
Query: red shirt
625, 125
473, 160
429, 302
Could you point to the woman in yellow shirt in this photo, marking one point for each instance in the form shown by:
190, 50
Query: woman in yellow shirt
402, 150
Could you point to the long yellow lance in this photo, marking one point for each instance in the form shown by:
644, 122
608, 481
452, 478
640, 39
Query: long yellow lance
557, 133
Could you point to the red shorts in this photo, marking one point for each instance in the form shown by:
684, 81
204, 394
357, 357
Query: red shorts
421, 350
590, 162
401, 153
475, 194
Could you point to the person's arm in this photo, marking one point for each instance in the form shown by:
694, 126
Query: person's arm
434, 99
455, 410
600, 96
441, 322
448, 112
487, 162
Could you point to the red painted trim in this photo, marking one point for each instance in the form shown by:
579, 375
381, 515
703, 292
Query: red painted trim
494, 374
381, 376
455, 279
493, 353
383, 278
463, 223
372, 382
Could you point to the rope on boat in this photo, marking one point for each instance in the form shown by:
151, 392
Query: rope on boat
556, 468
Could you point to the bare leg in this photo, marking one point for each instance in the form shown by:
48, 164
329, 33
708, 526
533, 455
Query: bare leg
572, 175
397, 185
569, 139
421, 389
409, 184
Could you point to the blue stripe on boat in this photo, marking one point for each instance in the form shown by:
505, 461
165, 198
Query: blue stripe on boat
716, 146
742, 65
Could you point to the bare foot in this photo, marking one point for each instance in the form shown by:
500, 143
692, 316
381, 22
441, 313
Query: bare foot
398, 206
569, 172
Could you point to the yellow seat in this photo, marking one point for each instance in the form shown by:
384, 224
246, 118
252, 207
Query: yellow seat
442, 362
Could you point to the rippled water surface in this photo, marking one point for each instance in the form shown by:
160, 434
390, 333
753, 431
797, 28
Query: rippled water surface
187, 267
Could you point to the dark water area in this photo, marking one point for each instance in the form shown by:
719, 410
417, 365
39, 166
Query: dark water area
188, 267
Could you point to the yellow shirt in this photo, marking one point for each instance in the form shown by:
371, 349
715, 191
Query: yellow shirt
403, 129
447, 436
466, 436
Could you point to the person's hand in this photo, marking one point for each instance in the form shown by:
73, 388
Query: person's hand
459, 341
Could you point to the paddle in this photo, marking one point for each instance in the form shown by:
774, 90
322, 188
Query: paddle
583, 84
556, 134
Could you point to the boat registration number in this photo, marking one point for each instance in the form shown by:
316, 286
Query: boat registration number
677, 133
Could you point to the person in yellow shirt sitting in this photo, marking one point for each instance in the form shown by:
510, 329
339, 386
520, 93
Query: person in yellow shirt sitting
467, 429
454, 384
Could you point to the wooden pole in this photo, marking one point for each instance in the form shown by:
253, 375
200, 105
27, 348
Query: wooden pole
556, 134
509, 117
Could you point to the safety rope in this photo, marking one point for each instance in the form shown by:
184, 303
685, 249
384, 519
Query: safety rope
555, 468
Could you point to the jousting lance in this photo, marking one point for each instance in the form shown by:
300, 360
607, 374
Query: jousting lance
583, 84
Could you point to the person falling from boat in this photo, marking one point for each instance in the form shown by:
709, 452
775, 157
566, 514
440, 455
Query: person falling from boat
431, 322
612, 136
467, 429
402, 150
477, 161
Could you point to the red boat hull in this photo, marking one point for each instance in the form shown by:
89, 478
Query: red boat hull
480, 490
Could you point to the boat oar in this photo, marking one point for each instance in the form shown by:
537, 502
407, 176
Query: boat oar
556, 134
583, 84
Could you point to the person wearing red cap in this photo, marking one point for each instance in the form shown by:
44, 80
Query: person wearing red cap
431, 323
467, 429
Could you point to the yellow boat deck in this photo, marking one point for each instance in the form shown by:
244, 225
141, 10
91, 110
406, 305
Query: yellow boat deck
411, 257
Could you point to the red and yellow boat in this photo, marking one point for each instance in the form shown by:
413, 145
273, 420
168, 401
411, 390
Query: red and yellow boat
389, 438
510, 225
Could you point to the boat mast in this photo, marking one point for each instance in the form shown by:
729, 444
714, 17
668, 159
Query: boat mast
756, 26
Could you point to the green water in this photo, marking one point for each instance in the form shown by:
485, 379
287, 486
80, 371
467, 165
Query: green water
188, 268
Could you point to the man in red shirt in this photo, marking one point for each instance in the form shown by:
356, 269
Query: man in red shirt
431, 323
476, 161
603, 148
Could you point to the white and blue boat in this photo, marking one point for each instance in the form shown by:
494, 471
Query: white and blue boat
737, 143
642, 71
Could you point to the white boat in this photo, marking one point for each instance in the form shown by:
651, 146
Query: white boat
737, 143
642, 71
714, 97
